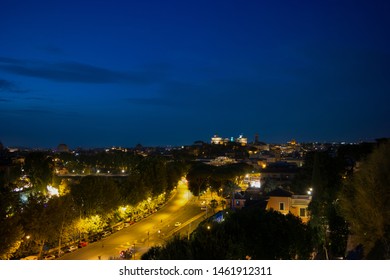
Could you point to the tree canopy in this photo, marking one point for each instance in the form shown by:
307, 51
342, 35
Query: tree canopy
201, 176
365, 203
250, 232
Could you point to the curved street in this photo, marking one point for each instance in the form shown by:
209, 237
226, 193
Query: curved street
153, 230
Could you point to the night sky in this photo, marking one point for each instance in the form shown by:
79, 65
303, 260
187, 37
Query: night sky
119, 73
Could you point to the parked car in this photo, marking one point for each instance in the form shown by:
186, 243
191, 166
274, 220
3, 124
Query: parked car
94, 238
106, 233
177, 224
83, 244
118, 227
29, 258
50, 257
71, 248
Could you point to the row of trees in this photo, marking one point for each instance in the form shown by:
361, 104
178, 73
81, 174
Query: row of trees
89, 162
84, 206
202, 176
11, 232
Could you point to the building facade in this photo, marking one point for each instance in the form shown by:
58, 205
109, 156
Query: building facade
286, 202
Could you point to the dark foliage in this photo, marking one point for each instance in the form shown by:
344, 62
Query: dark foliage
247, 233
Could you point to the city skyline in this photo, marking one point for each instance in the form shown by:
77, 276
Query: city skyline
96, 74
244, 141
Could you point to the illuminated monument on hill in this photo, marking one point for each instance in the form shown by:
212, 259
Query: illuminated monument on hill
220, 141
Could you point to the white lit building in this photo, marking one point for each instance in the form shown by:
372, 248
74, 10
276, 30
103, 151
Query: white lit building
216, 140
242, 140
220, 141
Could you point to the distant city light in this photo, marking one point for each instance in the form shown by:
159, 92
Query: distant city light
52, 191
23, 197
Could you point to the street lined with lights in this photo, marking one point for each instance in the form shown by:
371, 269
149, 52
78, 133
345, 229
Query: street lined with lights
153, 230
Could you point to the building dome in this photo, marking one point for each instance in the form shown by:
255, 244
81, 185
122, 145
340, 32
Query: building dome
62, 148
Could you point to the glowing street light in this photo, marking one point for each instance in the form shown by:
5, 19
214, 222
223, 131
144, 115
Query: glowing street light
52, 191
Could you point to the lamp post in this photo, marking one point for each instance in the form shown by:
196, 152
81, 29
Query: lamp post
25, 243
189, 230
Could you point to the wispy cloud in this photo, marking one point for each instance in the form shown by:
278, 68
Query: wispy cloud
38, 111
5, 85
8, 86
73, 72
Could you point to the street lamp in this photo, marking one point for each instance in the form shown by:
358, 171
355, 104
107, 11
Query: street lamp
26, 243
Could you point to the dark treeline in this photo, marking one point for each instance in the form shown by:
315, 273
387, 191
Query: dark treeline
251, 233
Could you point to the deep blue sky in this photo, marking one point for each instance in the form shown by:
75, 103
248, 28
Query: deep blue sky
118, 73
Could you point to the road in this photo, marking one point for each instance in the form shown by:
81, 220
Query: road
153, 230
